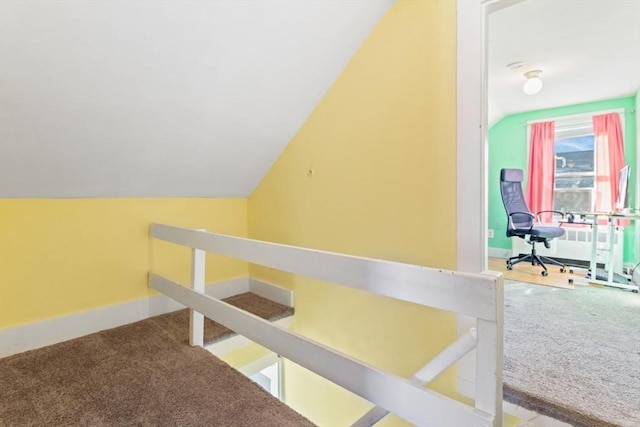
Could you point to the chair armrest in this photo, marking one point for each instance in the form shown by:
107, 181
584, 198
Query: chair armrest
512, 226
558, 212
555, 212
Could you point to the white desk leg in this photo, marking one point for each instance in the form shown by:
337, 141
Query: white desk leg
593, 264
611, 236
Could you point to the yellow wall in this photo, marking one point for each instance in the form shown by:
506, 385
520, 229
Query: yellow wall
60, 256
372, 172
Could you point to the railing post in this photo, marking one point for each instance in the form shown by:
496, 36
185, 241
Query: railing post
489, 357
196, 319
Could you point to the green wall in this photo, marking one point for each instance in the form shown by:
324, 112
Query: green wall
508, 149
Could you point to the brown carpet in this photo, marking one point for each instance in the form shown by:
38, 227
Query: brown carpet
140, 374
177, 323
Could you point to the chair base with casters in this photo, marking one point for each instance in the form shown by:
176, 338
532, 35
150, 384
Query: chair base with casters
536, 259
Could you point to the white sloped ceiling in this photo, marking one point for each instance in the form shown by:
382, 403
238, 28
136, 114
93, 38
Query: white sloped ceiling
163, 98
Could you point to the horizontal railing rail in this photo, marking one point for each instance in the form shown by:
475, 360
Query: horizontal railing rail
478, 295
469, 294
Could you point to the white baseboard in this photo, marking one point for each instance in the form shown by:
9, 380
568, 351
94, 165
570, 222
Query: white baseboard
227, 288
51, 331
273, 292
498, 253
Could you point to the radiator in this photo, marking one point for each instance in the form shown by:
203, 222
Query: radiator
576, 245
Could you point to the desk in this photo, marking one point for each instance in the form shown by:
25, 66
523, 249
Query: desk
611, 224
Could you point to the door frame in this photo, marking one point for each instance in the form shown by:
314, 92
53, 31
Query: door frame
472, 154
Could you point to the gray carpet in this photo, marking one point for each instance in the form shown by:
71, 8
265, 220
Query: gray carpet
573, 354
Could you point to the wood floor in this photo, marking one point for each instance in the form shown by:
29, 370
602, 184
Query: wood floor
525, 272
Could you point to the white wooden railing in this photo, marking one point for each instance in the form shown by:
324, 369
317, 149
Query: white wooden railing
476, 295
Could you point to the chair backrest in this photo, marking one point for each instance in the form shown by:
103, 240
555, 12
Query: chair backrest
513, 200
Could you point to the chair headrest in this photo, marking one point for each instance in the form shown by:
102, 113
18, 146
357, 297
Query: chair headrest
511, 175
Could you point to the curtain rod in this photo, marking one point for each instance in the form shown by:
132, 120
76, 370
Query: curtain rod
579, 115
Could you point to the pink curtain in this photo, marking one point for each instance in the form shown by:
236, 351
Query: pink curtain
542, 169
609, 159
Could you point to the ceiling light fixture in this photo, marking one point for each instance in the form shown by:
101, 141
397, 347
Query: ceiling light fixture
533, 84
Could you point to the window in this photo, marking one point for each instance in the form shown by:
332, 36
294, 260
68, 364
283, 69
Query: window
575, 173
584, 151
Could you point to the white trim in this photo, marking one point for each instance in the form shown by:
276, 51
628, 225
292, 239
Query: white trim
228, 288
272, 292
39, 334
499, 253
472, 160
637, 171
471, 189
472, 156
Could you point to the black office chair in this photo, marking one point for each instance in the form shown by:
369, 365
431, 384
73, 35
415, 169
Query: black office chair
522, 223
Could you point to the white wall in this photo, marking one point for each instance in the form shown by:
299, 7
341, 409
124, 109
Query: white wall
163, 98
